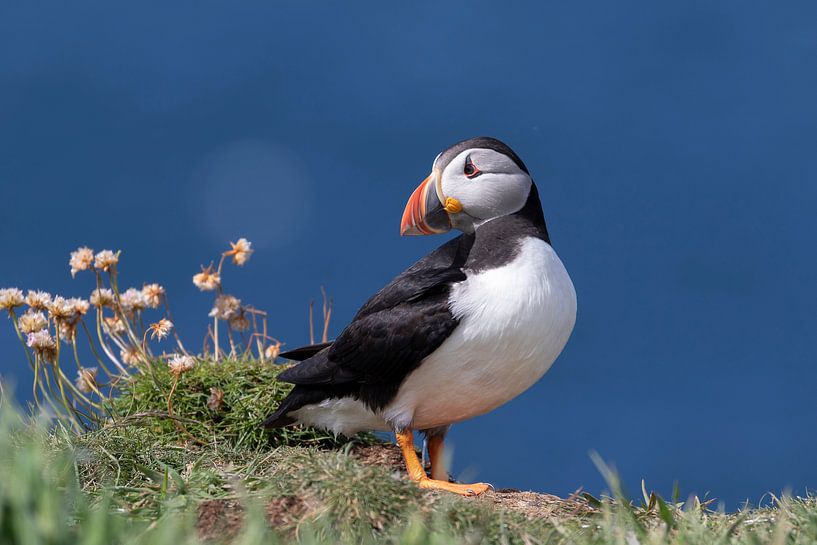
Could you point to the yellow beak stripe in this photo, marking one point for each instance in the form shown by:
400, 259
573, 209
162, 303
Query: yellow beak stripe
452, 205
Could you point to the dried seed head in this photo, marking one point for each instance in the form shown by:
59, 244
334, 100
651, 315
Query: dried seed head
38, 300
153, 294
241, 251
272, 351
239, 322
61, 309
11, 298
133, 300
226, 307
179, 364
32, 321
67, 330
86, 379
130, 355
216, 399
80, 306
40, 339
105, 259
102, 297
81, 260
160, 329
114, 325
207, 280
43, 344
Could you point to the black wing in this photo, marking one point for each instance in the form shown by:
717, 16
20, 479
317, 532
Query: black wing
424, 276
392, 333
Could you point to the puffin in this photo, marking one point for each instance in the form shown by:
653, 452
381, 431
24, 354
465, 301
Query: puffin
465, 329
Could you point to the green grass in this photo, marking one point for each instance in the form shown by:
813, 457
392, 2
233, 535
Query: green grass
222, 479
250, 394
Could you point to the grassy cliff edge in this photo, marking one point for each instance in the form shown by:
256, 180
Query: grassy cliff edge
196, 467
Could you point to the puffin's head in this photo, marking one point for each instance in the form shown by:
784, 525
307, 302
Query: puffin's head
470, 183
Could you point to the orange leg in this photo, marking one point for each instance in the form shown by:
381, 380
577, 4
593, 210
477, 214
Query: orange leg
435, 456
416, 473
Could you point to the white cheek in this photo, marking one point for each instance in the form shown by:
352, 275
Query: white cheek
489, 195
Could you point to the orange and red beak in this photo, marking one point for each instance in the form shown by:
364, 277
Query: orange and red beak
424, 213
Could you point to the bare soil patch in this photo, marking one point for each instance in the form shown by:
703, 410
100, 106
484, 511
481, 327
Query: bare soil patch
219, 519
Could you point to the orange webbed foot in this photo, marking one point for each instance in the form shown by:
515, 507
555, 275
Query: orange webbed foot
462, 489
417, 474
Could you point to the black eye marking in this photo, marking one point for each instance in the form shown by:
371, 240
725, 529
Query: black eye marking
470, 170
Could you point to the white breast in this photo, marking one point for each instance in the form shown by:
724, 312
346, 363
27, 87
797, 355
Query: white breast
514, 322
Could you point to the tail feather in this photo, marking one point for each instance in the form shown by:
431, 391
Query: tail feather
278, 420
304, 352
297, 398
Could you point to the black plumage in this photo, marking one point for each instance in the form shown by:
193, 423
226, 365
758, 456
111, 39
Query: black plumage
386, 340
496, 241
485, 142
304, 352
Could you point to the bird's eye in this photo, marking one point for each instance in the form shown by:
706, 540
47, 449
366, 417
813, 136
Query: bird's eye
470, 170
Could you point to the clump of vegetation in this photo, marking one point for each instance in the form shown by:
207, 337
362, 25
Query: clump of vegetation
123, 348
214, 402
